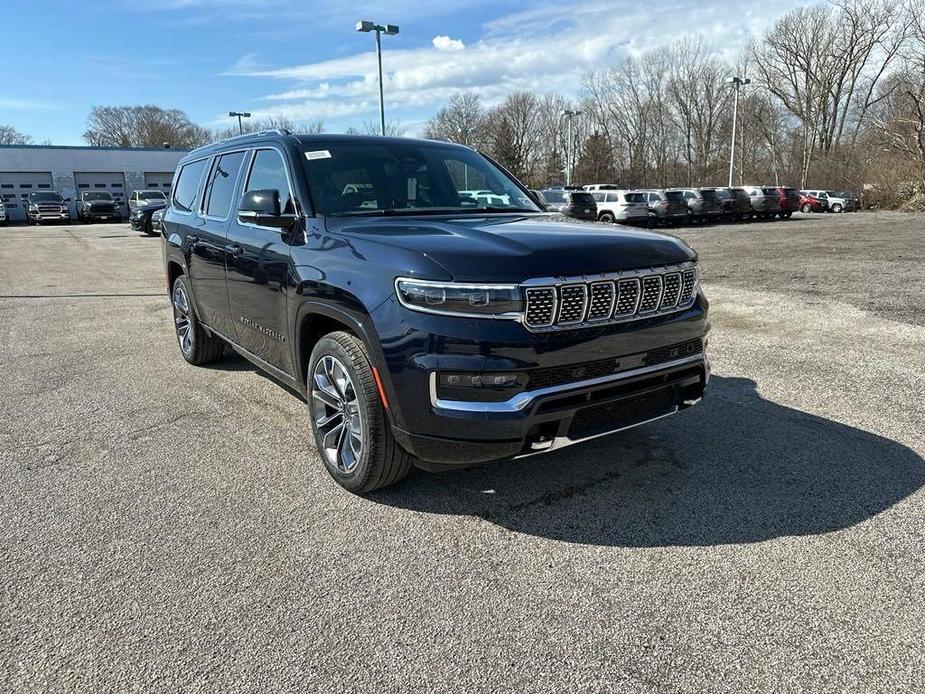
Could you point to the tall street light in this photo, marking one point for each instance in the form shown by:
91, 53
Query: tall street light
389, 30
240, 115
737, 83
569, 114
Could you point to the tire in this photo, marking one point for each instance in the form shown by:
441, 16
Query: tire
806, 208
196, 345
606, 217
786, 215
690, 217
836, 208
342, 390
148, 228
652, 222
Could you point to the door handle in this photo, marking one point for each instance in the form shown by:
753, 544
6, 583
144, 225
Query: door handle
192, 239
234, 249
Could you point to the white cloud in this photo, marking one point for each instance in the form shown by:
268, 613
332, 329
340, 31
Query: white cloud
445, 43
542, 49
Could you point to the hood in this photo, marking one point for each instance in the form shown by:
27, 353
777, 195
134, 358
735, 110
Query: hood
515, 248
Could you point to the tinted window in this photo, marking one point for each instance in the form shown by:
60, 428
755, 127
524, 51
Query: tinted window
675, 195
708, 194
186, 193
689, 195
770, 191
582, 198
222, 182
598, 197
654, 197
97, 196
269, 173
635, 197
554, 195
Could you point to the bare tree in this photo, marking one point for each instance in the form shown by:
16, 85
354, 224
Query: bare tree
271, 123
515, 133
393, 128
11, 136
462, 120
142, 126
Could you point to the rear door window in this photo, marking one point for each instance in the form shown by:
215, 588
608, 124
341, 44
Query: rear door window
186, 192
222, 182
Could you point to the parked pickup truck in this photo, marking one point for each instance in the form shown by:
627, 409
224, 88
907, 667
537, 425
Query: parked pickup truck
97, 205
423, 330
46, 206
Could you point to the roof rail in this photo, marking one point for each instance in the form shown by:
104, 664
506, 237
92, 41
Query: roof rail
261, 133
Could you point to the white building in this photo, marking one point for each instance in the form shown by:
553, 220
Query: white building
69, 170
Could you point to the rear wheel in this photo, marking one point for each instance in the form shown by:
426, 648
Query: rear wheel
653, 220
806, 208
786, 215
349, 421
606, 217
148, 228
196, 345
837, 207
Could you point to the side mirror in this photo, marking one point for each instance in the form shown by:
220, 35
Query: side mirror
261, 207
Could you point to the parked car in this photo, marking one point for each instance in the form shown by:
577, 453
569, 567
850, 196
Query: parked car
737, 205
764, 201
142, 217
143, 197
700, 207
624, 206
45, 206
157, 220
838, 201
665, 206
97, 205
422, 332
789, 201
572, 203
811, 203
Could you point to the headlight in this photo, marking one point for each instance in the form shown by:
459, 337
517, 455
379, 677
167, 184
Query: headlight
457, 299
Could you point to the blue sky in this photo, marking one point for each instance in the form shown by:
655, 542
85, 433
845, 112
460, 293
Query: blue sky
303, 59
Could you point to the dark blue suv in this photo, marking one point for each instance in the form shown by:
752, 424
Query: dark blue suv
428, 310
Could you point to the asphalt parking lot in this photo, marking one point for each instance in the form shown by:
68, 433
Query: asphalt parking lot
167, 528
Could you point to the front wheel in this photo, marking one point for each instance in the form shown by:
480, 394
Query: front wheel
351, 428
806, 208
606, 217
836, 208
148, 228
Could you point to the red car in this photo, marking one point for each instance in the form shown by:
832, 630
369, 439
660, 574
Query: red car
790, 201
810, 203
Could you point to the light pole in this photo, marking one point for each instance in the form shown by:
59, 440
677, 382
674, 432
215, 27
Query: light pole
240, 115
389, 30
737, 83
568, 114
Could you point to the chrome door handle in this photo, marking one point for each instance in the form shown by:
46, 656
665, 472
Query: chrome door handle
234, 249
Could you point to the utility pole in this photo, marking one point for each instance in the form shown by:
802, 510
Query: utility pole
389, 30
737, 83
568, 114
239, 115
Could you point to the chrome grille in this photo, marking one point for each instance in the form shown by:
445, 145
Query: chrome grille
651, 293
688, 282
602, 300
628, 297
541, 307
672, 283
573, 298
610, 298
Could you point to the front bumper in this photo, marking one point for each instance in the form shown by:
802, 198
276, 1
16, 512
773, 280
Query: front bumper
649, 362
49, 216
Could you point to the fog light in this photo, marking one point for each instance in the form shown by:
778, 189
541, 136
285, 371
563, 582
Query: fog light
490, 380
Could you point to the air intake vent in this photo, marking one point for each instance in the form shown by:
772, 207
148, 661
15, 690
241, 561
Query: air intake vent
541, 307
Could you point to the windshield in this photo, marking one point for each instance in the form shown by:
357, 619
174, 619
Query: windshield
45, 197
635, 197
151, 195
723, 194
357, 178
98, 196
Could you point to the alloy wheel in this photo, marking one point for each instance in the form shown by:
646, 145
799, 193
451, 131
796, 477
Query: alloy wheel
182, 320
336, 414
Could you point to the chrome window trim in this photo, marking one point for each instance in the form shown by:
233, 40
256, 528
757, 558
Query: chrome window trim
522, 400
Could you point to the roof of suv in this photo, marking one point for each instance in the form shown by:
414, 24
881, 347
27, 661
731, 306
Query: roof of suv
279, 135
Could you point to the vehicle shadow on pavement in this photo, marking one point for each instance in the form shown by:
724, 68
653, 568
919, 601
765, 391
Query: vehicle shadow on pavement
735, 469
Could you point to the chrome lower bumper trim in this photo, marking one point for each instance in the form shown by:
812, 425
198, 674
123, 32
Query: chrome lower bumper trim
522, 400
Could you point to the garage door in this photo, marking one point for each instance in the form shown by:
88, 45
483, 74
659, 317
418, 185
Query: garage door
114, 183
15, 188
159, 180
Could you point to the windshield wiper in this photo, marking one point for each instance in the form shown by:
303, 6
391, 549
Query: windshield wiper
491, 208
392, 212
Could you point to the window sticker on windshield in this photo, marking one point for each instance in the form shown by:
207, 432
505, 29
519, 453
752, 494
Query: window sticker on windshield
318, 154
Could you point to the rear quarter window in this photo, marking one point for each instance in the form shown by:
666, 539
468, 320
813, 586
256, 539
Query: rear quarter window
186, 191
